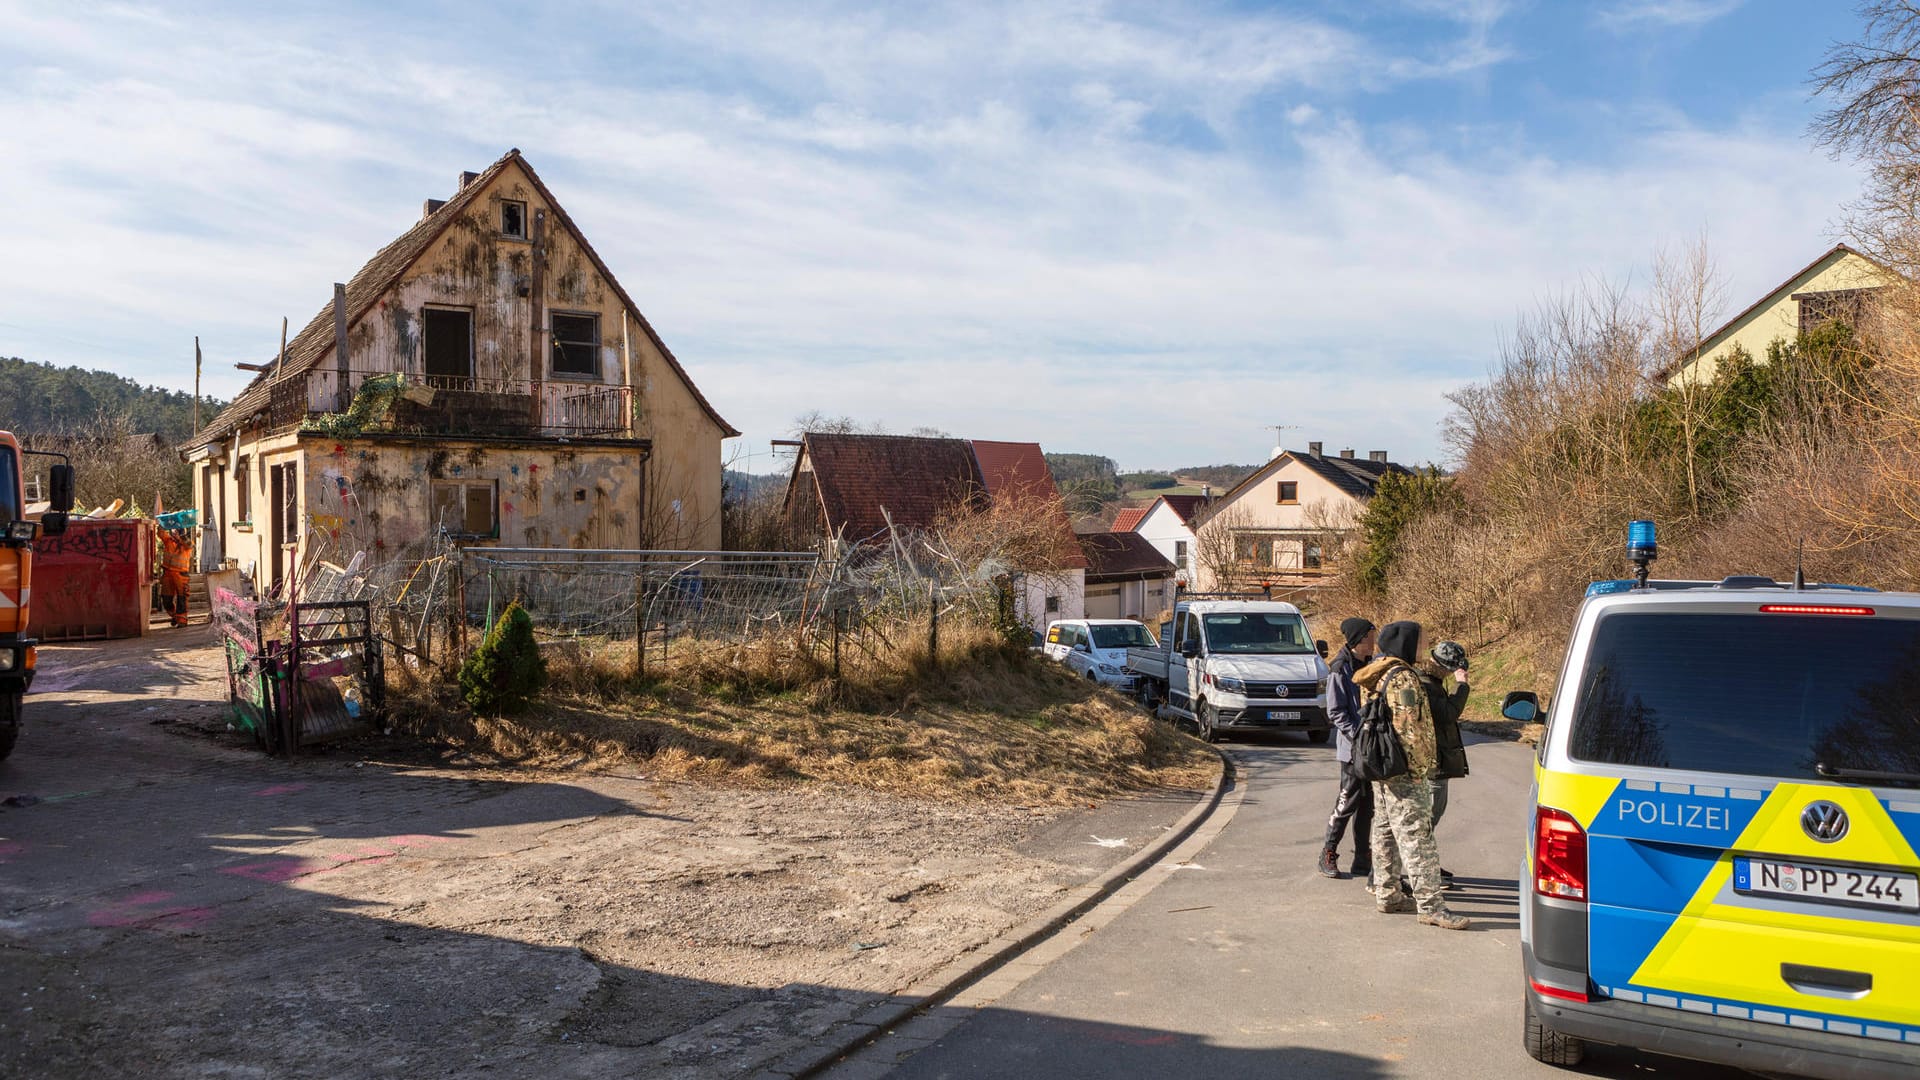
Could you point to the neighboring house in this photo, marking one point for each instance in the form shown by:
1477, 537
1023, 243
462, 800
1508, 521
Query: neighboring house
1837, 285
1166, 523
1127, 577
862, 490
1125, 520
497, 385
1288, 523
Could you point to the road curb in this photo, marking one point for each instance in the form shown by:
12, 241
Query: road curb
963, 972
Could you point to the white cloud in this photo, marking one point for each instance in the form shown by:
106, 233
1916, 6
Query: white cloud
1028, 222
1657, 13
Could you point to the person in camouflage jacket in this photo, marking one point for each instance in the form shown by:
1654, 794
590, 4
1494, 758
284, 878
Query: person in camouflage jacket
1403, 806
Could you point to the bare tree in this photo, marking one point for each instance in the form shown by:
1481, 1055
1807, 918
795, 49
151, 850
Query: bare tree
1688, 295
1873, 85
1216, 548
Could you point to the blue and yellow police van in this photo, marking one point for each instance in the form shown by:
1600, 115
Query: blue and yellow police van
1721, 858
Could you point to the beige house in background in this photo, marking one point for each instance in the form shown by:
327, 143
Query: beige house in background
1834, 286
1288, 523
497, 386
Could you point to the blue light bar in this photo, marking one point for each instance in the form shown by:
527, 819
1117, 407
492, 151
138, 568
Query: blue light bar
1608, 588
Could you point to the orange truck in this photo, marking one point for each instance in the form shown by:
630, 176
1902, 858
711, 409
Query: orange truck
17, 534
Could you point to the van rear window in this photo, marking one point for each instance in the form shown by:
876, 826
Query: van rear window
1751, 693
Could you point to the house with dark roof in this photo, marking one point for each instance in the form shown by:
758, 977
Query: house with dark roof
1288, 523
482, 377
1839, 285
1167, 525
1127, 577
855, 491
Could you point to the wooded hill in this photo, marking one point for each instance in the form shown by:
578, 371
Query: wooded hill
42, 398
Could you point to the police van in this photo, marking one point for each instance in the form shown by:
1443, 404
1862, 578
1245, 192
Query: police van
1726, 808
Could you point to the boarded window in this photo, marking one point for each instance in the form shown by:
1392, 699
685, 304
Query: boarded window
513, 219
1834, 305
466, 509
576, 344
446, 346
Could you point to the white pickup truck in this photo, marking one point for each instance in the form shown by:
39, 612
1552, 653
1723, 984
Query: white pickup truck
1234, 666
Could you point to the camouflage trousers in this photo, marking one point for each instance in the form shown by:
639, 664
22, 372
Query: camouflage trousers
1403, 843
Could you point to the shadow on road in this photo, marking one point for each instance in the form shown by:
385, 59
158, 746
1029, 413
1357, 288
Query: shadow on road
1004, 1043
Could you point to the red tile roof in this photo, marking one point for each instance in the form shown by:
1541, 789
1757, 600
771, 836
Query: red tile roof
859, 481
1185, 505
1016, 471
1129, 519
1123, 556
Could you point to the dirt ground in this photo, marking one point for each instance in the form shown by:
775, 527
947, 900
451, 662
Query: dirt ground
173, 903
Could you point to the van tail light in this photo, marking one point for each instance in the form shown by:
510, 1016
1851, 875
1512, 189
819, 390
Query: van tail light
1556, 992
1559, 855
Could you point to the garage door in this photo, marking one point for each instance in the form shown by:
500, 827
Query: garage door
1103, 601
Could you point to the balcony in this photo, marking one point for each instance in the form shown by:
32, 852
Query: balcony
405, 403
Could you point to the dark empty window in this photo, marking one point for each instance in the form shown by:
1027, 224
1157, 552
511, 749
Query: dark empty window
576, 344
1758, 694
446, 345
513, 219
465, 509
1835, 305
1289, 491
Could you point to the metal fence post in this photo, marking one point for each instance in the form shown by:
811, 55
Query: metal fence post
639, 626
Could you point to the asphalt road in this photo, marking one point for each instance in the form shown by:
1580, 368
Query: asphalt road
1245, 962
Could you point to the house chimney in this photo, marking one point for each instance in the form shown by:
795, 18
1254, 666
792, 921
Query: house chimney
1313, 449
1378, 456
465, 179
1206, 491
1348, 454
426, 210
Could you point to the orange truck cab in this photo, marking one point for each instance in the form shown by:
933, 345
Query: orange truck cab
17, 534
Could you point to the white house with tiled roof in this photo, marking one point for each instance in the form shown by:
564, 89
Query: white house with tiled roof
1285, 525
484, 377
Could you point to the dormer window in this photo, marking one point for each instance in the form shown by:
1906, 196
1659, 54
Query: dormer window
513, 219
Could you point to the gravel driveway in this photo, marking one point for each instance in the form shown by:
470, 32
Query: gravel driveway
173, 903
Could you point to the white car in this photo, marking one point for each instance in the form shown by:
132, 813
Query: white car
1097, 648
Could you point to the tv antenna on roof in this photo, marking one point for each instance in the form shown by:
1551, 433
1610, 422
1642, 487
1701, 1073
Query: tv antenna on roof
1278, 446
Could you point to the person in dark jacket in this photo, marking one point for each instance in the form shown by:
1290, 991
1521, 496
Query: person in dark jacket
1447, 706
1354, 803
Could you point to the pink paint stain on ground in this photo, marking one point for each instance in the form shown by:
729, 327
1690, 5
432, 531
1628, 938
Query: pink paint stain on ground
279, 789
10, 848
151, 910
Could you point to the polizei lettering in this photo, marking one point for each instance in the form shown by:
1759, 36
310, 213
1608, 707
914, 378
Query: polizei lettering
1674, 815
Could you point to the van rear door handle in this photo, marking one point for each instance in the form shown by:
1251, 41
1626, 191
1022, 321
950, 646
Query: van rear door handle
1827, 982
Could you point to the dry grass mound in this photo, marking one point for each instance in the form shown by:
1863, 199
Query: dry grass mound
984, 724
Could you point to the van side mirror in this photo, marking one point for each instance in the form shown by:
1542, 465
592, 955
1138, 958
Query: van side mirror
1081, 646
1189, 649
60, 489
1521, 705
53, 523
1321, 648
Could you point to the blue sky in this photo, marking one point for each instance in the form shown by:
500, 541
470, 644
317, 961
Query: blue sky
1143, 230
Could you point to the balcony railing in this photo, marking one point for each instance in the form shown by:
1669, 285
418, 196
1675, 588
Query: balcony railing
412, 403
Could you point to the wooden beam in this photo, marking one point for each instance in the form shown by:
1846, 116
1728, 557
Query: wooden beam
344, 392
196, 384
249, 367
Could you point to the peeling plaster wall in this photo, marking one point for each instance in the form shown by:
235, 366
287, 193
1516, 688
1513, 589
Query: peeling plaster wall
364, 495
473, 265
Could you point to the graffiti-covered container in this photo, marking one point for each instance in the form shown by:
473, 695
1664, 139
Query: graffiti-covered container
94, 581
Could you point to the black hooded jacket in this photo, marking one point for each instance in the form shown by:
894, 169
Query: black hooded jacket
1401, 640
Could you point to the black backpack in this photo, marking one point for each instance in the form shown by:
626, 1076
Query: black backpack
1377, 753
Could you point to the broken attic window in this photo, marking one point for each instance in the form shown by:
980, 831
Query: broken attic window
513, 219
576, 344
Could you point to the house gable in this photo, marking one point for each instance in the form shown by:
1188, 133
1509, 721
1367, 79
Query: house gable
457, 256
1840, 271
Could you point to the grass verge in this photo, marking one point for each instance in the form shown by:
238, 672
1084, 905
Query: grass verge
986, 724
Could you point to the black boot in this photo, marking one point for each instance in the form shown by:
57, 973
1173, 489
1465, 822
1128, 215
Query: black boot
1362, 865
1329, 865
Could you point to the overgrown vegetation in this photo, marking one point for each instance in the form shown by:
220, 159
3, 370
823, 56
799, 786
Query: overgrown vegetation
1596, 413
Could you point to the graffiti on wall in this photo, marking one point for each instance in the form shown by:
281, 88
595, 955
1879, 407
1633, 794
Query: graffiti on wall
106, 544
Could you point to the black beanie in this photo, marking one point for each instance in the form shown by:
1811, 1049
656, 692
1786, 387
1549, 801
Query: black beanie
1400, 640
1354, 629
